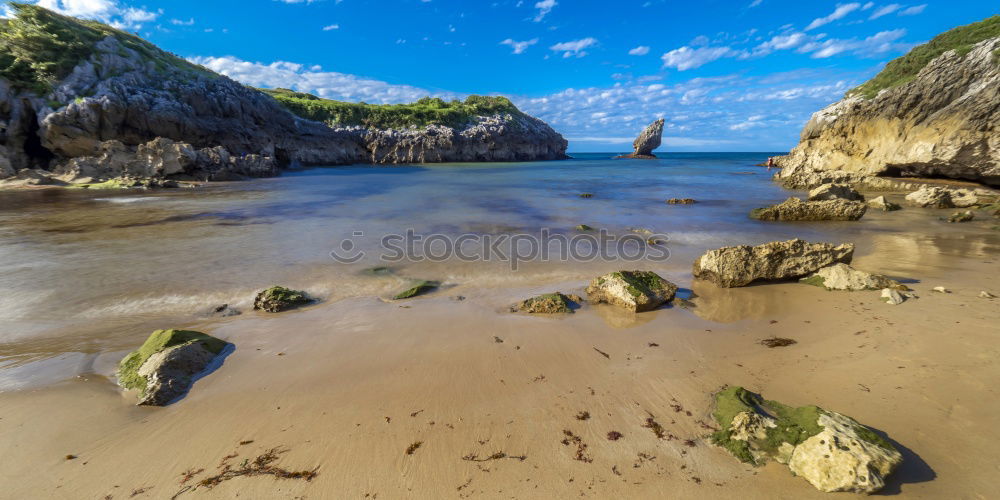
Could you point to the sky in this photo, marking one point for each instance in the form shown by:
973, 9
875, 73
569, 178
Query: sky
726, 75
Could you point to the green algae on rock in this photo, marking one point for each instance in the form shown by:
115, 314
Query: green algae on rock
636, 291
841, 276
279, 298
584, 227
161, 369
549, 303
831, 451
419, 288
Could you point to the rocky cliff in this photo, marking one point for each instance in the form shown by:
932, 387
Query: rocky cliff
82, 102
932, 113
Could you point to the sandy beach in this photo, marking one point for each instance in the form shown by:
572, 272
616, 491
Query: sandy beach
496, 400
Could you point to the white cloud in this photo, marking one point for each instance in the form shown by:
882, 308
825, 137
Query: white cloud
839, 13
331, 27
180, 22
544, 7
108, 11
639, 51
885, 10
879, 43
686, 58
574, 47
755, 3
912, 11
519, 47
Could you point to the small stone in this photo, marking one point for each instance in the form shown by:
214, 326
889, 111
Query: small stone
584, 227
965, 216
419, 288
586, 195
550, 303
841, 276
892, 297
986, 295
880, 203
940, 289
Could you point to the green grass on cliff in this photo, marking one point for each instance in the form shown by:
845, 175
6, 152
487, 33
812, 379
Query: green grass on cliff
426, 111
904, 69
39, 47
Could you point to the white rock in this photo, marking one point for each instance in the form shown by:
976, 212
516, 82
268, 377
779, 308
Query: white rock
880, 203
841, 276
892, 296
941, 289
986, 295
841, 459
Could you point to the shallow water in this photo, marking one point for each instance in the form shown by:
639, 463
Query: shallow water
84, 273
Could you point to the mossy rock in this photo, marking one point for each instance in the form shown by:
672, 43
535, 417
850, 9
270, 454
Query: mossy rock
586, 195
420, 288
636, 291
584, 227
832, 451
549, 303
128, 368
377, 271
279, 298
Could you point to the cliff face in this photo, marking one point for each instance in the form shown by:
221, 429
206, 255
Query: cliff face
939, 122
126, 108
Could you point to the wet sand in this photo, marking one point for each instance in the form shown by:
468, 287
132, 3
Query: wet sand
346, 387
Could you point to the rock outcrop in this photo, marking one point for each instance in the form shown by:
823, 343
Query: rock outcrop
880, 203
650, 139
119, 106
940, 197
636, 291
736, 266
163, 369
844, 277
794, 209
835, 192
931, 113
830, 450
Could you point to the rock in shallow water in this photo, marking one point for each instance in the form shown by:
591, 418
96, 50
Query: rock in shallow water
419, 288
163, 369
832, 451
844, 277
635, 291
279, 298
647, 141
794, 209
550, 303
835, 192
880, 203
729, 267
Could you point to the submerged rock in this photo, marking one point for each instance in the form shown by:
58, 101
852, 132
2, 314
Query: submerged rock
681, 201
550, 303
880, 203
892, 297
648, 140
162, 370
844, 277
279, 298
965, 216
584, 227
794, 209
830, 450
735, 266
835, 192
636, 291
419, 288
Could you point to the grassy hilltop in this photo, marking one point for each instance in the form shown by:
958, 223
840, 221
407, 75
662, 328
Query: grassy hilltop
905, 69
426, 111
39, 47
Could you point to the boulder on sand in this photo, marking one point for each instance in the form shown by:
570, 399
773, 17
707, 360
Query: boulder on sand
794, 209
939, 197
549, 303
741, 265
832, 451
647, 141
844, 277
835, 192
636, 291
164, 368
279, 298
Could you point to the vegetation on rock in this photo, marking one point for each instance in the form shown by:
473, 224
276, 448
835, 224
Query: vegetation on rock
419, 288
426, 111
904, 69
279, 298
39, 47
128, 369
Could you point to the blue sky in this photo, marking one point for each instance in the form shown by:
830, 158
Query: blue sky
736, 75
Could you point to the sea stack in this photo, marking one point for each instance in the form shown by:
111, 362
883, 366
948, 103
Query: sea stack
647, 141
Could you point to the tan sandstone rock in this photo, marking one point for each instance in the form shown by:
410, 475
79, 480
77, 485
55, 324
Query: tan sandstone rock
636, 291
794, 209
844, 277
778, 260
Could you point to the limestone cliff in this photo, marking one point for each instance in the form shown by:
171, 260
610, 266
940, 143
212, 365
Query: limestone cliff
82, 102
931, 113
